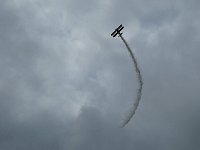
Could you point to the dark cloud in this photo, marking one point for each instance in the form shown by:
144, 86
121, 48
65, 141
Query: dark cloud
66, 84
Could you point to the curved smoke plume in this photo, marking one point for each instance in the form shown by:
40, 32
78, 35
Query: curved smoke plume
140, 82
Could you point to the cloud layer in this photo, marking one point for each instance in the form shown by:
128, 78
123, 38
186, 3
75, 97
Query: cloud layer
65, 83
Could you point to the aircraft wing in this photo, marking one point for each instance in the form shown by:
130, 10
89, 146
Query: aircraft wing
114, 33
119, 27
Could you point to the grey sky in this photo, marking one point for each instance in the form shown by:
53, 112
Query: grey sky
65, 83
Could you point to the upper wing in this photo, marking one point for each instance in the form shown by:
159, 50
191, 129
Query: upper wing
120, 29
115, 32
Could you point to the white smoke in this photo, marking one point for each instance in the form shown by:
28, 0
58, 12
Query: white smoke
140, 82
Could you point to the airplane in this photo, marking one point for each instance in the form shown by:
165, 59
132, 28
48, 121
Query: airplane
117, 31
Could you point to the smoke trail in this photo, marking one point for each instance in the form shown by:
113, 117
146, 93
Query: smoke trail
140, 82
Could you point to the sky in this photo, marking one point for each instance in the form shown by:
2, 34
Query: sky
65, 83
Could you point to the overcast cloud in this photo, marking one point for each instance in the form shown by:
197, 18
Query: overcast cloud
65, 83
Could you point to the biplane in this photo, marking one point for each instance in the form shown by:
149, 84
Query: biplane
117, 31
